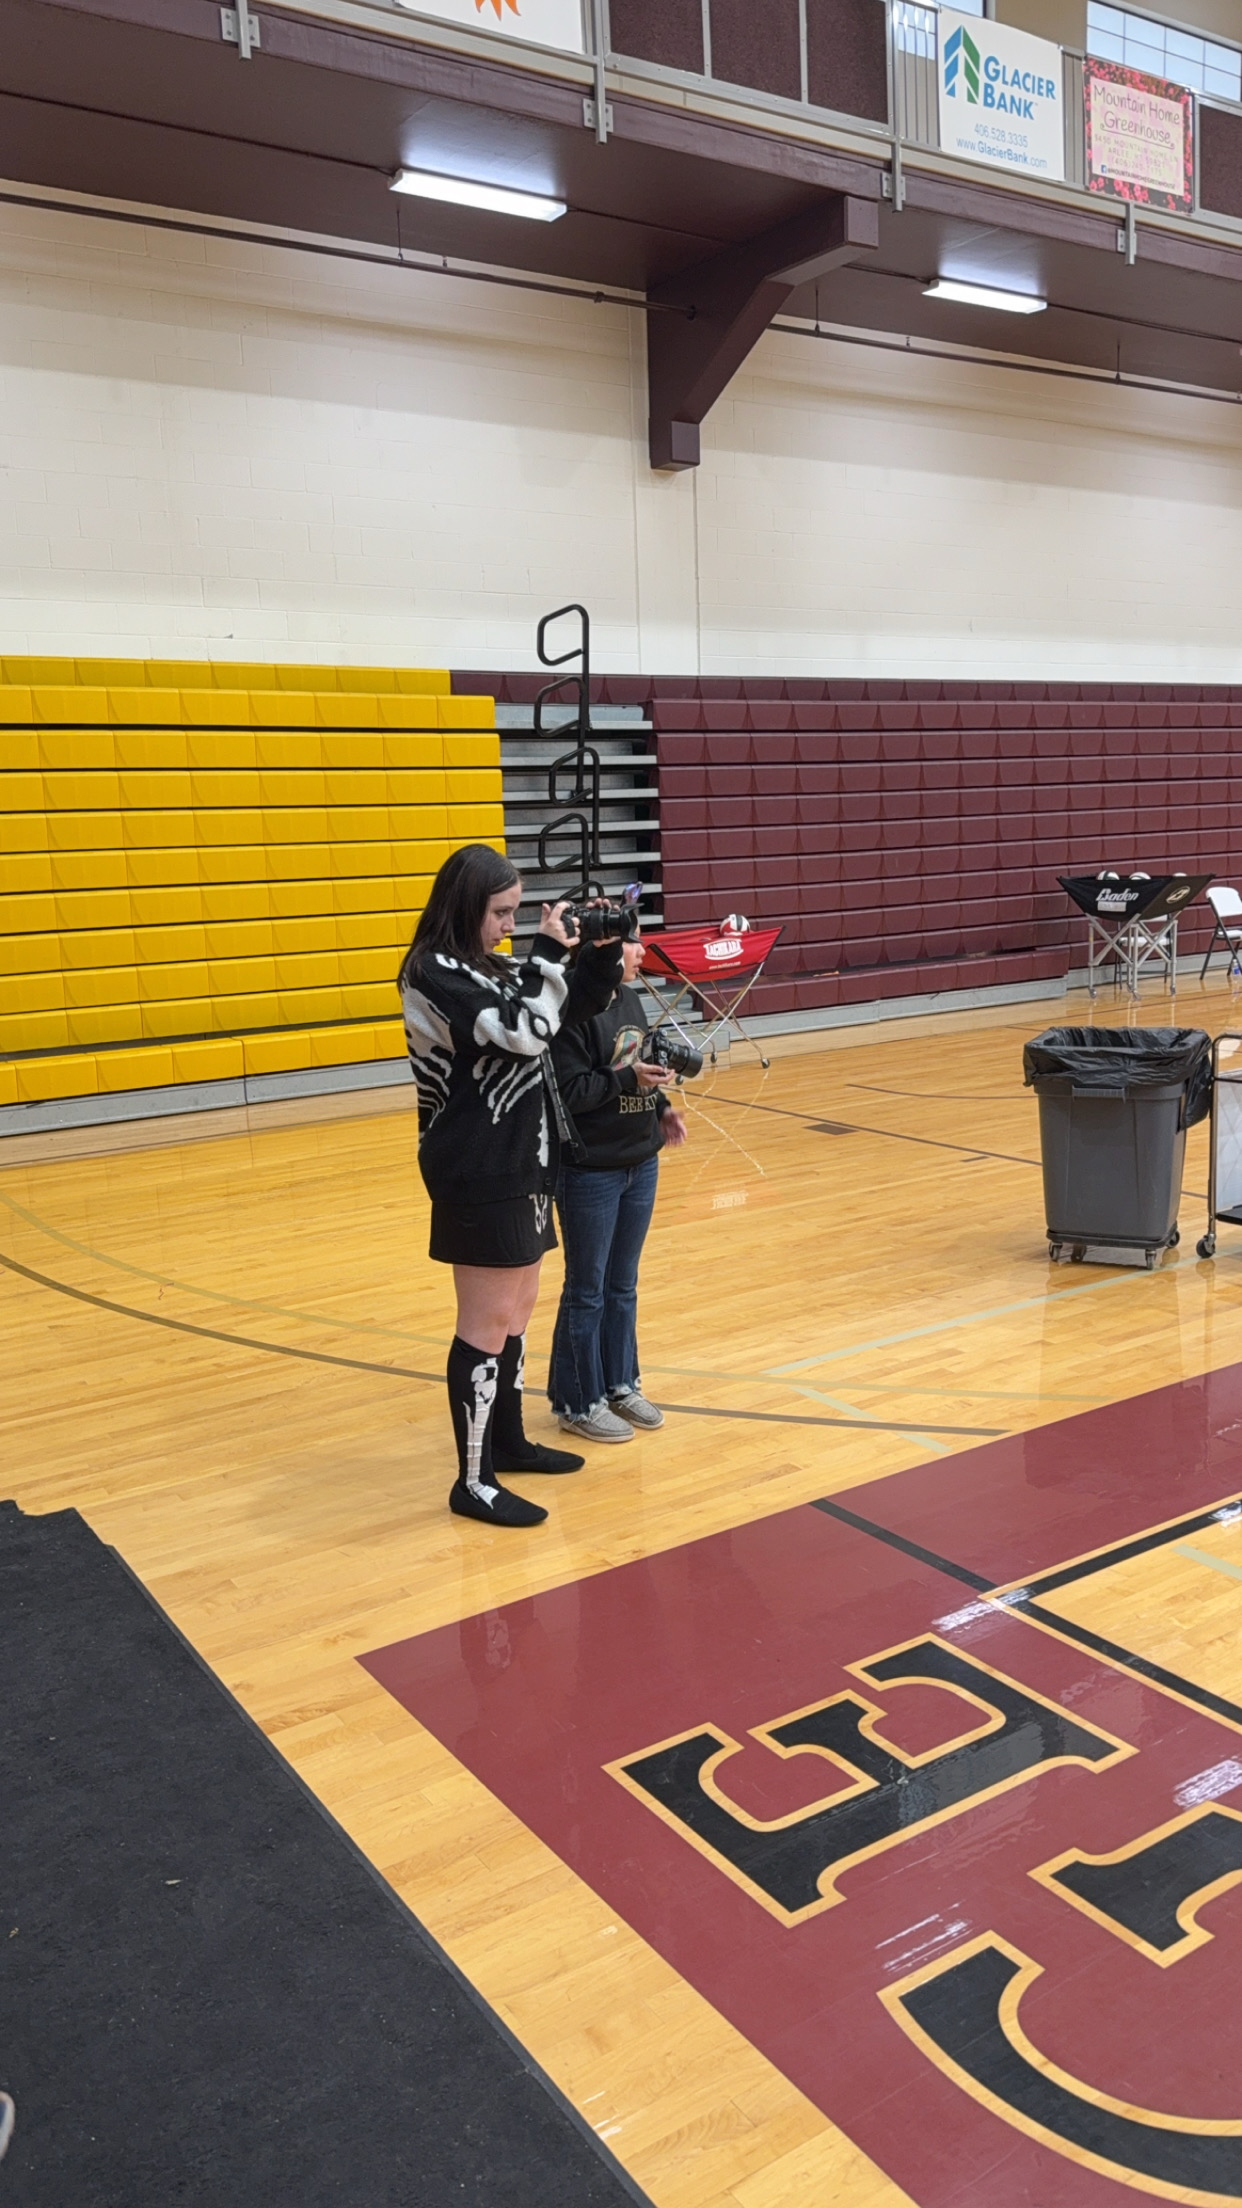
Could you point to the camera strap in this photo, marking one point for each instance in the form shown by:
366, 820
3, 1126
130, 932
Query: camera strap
568, 1133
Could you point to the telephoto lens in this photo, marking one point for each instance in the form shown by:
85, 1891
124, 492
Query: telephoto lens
680, 1058
595, 923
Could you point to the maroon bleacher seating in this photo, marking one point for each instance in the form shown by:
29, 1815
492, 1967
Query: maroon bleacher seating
909, 834
910, 840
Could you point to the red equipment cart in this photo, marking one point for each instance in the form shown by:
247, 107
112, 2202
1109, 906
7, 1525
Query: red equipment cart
716, 971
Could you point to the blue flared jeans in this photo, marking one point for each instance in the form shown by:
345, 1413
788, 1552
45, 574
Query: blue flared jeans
604, 1219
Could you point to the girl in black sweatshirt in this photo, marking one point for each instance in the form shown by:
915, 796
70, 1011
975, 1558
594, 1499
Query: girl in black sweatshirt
479, 1026
605, 1197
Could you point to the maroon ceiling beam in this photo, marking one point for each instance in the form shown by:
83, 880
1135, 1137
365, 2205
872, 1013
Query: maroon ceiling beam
727, 303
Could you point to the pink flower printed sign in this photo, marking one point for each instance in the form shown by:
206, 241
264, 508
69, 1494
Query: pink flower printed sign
1140, 136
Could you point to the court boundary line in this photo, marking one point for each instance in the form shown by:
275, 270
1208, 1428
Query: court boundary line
211, 1295
868, 1425
1018, 1600
436, 1379
908, 1548
770, 1377
1124, 1277
211, 1333
886, 1134
436, 1341
1213, 1563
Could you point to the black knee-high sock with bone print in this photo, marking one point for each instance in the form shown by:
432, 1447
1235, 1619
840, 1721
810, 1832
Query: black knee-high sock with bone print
511, 1451
473, 1376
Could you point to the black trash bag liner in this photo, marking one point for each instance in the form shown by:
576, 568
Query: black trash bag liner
1123, 1061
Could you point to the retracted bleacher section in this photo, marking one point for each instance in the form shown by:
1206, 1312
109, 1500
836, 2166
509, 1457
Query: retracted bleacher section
909, 836
208, 872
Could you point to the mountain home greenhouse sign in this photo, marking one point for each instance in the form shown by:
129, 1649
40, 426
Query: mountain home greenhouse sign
1001, 96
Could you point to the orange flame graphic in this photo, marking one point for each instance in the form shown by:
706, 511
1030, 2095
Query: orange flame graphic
499, 5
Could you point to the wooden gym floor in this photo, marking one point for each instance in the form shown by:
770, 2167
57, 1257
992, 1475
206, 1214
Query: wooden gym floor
223, 1343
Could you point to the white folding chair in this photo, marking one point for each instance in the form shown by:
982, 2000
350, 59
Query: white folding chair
1226, 904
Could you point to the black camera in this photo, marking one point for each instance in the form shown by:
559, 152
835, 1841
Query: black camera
682, 1059
595, 923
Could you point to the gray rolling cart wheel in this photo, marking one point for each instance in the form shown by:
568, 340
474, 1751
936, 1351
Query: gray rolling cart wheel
1078, 1253
1206, 1245
1054, 1251
1174, 1239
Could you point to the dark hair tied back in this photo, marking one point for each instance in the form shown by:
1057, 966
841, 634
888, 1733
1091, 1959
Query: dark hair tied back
452, 922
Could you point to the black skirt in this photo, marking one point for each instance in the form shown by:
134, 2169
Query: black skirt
518, 1231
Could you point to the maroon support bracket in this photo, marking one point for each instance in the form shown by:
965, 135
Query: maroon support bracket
727, 304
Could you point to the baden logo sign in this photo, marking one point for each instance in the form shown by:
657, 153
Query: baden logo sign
537, 22
1000, 96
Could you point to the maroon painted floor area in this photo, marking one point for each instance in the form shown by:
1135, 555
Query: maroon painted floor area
1030, 1502
745, 1629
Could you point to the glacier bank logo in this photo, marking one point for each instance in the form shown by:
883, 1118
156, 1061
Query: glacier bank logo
1005, 87
961, 65
1001, 97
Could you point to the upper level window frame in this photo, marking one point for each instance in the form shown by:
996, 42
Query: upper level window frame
1170, 51
915, 23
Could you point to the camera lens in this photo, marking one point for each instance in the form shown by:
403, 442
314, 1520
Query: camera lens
598, 922
681, 1059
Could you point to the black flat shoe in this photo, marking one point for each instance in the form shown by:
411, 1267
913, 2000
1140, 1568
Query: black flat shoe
506, 1510
536, 1458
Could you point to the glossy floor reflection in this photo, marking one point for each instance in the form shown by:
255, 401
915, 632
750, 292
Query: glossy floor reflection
959, 1865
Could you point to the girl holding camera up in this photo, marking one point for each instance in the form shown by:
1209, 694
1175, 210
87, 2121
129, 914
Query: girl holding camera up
479, 1026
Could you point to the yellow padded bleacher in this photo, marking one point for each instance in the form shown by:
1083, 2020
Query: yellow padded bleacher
200, 883
223, 674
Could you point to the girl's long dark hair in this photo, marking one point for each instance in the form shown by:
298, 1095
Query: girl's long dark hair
452, 921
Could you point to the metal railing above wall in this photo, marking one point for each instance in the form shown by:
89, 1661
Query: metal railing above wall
915, 93
908, 31
1075, 117
912, 41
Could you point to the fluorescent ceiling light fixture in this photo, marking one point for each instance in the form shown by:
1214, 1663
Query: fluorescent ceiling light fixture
982, 295
460, 192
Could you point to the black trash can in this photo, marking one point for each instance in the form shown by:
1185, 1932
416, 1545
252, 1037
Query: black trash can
1114, 1106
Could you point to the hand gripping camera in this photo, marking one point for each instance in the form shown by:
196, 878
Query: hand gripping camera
595, 923
660, 1048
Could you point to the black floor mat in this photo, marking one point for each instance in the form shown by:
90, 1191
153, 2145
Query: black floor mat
206, 1995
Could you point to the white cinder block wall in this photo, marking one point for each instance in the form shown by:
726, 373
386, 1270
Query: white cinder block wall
234, 451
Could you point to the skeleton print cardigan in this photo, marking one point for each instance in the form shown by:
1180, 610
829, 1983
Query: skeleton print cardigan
478, 1043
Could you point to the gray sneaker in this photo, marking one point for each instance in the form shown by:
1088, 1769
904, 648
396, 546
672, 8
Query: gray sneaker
633, 1406
598, 1424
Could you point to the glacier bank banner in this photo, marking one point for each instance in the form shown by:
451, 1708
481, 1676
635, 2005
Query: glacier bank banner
542, 22
1000, 96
